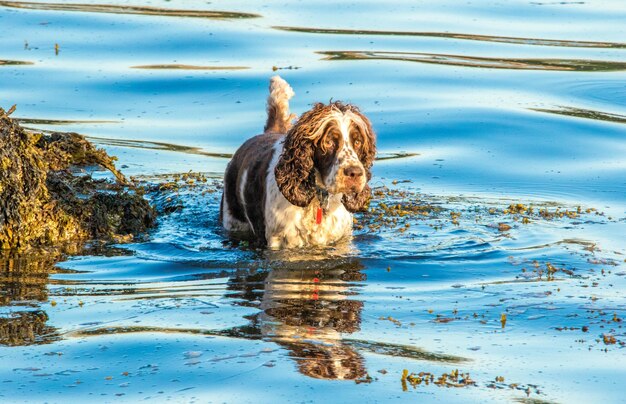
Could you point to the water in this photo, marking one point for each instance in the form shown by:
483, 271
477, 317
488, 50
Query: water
477, 106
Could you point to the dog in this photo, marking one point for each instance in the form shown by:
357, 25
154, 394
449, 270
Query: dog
297, 184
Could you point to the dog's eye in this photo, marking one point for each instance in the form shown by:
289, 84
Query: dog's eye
357, 143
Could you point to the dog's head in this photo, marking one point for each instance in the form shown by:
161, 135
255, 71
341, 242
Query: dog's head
331, 147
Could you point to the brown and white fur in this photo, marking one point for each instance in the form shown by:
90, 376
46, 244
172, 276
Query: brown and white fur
276, 181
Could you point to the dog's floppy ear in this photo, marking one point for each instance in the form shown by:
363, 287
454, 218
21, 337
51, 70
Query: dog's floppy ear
294, 171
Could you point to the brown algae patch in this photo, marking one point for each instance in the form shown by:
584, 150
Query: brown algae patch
399, 210
458, 379
536, 272
119, 9
452, 379
394, 209
480, 62
520, 210
45, 202
451, 35
171, 192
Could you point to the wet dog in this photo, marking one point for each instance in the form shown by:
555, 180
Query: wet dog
298, 184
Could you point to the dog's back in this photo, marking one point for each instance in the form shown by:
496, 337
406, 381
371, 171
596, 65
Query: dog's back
243, 199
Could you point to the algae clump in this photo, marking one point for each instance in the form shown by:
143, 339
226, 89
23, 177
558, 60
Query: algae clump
47, 199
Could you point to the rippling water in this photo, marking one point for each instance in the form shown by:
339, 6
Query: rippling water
477, 106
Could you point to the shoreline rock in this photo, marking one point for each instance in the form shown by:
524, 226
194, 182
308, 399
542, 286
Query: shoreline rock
47, 199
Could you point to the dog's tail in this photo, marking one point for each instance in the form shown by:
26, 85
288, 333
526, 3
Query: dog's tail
278, 116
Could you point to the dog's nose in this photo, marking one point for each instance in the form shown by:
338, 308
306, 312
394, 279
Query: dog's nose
353, 172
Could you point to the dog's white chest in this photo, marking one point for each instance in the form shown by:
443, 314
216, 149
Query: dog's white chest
288, 226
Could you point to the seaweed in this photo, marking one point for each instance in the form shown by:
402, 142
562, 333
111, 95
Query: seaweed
47, 197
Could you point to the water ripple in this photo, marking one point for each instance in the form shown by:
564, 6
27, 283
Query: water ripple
481, 62
118, 9
188, 67
148, 145
144, 144
36, 121
451, 35
583, 113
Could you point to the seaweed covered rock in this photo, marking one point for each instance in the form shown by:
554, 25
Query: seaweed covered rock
45, 198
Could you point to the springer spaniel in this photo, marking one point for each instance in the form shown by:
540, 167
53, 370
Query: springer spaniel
296, 185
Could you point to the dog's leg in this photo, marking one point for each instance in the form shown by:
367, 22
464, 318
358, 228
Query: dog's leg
278, 116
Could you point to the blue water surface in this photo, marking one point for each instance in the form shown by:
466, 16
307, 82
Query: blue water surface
482, 104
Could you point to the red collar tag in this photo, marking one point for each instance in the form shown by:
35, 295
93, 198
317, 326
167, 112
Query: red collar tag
318, 217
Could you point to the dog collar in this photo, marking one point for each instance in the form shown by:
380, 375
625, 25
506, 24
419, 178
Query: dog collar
322, 198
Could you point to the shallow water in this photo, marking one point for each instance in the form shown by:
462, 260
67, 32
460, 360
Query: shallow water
477, 106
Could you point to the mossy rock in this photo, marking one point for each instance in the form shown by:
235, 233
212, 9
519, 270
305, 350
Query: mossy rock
43, 202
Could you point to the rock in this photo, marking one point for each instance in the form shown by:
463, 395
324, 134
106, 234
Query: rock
45, 200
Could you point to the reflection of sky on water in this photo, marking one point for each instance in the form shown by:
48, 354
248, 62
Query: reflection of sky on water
420, 108
188, 317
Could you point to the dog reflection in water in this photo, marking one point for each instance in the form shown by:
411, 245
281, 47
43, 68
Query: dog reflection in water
306, 310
